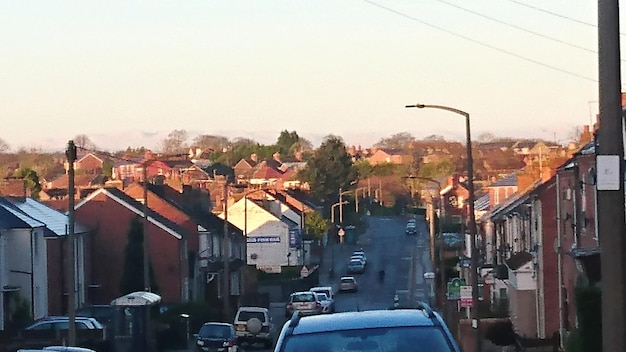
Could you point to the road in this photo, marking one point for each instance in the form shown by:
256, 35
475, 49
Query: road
387, 247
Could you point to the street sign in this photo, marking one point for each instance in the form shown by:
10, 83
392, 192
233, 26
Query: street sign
466, 296
454, 289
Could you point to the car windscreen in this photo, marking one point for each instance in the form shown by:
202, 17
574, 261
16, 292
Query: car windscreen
302, 297
247, 315
389, 339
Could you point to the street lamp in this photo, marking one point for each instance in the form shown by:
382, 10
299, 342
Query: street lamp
332, 210
472, 217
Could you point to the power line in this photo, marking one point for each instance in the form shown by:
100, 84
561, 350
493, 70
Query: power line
518, 27
556, 14
510, 53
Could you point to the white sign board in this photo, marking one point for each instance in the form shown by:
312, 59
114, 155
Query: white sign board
607, 172
466, 296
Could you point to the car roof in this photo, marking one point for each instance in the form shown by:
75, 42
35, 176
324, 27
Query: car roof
217, 323
321, 288
302, 292
253, 309
363, 320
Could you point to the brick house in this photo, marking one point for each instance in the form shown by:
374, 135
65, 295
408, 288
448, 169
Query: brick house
577, 224
208, 261
553, 220
455, 195
389, 156
245, 167
109, 212
88, 163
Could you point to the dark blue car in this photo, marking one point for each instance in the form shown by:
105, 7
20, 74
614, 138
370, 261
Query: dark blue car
396, 330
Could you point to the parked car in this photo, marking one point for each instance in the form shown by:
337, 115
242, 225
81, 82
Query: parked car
101, 312
376, 330
359, 256
325, 301
348, 283
356, 266
360, 253
62, 323
254, 324
67, 349
58, 349
217, 337
305, 302
330, 293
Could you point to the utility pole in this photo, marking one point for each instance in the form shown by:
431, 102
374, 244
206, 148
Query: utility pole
473, 238
226, 254
610, 179
70, 153
146, 240
146, 252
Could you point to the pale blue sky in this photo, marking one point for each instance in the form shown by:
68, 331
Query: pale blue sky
256, 67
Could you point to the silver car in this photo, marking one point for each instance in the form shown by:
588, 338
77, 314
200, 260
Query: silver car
356, 266
325, 301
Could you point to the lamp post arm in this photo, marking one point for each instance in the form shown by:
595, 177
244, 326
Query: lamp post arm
441, 107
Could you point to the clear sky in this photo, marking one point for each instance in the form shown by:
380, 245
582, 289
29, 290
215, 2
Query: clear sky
253, 68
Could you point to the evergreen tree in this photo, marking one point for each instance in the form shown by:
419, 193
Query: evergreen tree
31, 180
132, 277
329, 169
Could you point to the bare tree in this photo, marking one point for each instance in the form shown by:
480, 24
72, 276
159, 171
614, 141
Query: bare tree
575, 133
175, 142
4, 146
211, 142
243, 141
400, 140
486, 137
83, 141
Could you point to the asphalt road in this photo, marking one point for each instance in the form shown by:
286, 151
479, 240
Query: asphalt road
387, 247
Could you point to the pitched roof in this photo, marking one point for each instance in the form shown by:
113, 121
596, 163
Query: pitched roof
32, 212
266, 173
87, 155
12, 218
509, 180
178, 163
79, 181
137, 207
517, 260
205, 218
482, 203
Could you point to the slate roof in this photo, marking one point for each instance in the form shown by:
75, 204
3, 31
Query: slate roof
509, 180
482, 203
206, 219
517, 260
178, 163
12, 218
31, 213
